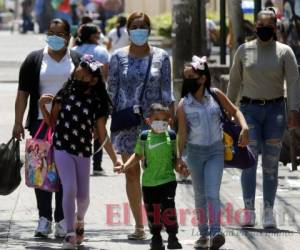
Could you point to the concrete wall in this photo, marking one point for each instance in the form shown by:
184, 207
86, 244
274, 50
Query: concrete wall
151, 7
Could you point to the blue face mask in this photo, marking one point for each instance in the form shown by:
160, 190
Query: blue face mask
139, 36
55, 42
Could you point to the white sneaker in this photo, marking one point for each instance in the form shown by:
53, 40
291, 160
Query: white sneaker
247, 218
44, 228
269, 220
60, 229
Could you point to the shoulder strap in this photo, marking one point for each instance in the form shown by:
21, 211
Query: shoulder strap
145, 80
147, 75
172, 135
213, 93
144, 135
118, 88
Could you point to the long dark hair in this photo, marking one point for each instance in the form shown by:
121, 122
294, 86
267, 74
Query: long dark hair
98, 92
121, 21
188, 83
86, 31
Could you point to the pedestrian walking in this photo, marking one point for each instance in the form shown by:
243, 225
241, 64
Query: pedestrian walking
79, 106
88, 43
43, 14
27, 7
45, 71
139, 75
157, 148
257, 76
200, 141
118, 36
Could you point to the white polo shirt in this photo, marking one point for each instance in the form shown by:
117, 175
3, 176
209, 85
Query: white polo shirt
54, 74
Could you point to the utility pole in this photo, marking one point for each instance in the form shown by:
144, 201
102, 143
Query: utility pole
223, 32
188, 36
16, 16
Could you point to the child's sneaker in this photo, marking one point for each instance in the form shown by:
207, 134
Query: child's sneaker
44, 228
157, 243
79, 232
69, 241
173, 242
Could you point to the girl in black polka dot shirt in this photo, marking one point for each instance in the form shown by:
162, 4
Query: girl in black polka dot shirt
79, 107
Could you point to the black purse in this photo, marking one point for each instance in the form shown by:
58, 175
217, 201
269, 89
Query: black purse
132, 116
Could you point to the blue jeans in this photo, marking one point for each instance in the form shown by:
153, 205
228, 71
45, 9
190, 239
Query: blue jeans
266, 127
206, 165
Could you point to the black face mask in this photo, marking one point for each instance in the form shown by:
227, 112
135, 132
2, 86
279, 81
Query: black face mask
80, 87
194, 86
265, 33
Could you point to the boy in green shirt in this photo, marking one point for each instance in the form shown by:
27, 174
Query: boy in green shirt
157, 147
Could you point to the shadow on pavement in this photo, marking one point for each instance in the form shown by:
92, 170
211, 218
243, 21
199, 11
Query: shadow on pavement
246, 230
56, 248
113, 235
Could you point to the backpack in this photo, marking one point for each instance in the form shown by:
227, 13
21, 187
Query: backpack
144, 137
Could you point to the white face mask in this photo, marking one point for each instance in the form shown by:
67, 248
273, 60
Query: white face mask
159, 126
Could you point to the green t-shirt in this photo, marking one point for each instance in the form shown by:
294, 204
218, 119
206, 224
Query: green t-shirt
159, 151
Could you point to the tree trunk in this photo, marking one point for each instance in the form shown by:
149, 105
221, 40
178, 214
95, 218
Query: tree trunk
189, 36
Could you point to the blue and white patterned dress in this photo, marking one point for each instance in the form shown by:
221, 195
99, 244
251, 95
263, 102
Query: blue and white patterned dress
127, 73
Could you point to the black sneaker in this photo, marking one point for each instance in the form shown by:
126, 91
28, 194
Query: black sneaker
157, 243
217, 241
173, 242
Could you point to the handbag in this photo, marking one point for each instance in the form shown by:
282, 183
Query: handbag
131, 116
40, 170
10, 166
234, 156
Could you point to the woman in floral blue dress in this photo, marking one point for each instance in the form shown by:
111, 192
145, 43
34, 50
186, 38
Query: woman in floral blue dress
127, 73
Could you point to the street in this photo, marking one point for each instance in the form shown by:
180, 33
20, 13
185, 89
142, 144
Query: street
108, 221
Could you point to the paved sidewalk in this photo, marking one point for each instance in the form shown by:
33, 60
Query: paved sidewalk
13, 50
18, 213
